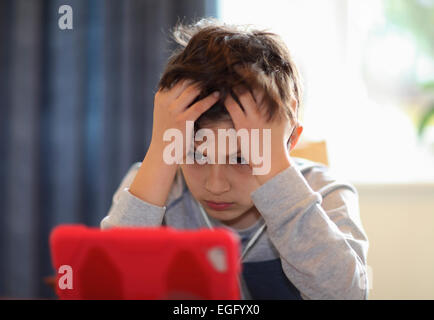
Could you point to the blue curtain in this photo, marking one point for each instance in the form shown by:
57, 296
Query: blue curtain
76, 111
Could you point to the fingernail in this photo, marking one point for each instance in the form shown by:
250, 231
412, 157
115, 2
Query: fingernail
216, 94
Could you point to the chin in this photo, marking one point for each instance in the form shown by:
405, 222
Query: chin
226, 216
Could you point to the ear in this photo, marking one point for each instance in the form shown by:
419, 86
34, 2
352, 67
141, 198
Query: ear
295, 136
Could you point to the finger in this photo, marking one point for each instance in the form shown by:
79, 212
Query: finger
179, 88
197, 109
186, 97
183, 84
176, 89
258, 95
234, 109
247, 100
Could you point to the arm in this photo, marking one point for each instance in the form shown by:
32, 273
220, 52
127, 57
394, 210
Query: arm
171, 111
321, 241
319, 236
154, 178
128, 210
140, 199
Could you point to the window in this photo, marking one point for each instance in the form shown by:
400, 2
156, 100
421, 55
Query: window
364, 68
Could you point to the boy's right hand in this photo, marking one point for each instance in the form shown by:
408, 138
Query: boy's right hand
153, 181
171, 111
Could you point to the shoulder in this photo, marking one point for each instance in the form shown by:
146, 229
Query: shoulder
340, 199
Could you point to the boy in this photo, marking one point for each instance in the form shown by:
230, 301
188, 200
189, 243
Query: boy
300, 229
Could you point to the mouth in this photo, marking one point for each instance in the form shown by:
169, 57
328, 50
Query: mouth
218, 205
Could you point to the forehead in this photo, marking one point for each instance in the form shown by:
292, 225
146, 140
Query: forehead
215, 126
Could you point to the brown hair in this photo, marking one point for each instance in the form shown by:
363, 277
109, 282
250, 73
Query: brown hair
221, 56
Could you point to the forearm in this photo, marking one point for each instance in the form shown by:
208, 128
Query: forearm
322, 261
129, 210
154, 179
280, 162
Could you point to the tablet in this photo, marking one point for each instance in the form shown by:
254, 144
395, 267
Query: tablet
145, 263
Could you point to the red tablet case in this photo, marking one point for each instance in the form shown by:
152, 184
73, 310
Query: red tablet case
146, 263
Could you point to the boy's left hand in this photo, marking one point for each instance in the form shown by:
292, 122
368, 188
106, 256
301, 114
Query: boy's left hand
254, 117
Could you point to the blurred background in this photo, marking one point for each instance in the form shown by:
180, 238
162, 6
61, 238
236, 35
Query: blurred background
76, 112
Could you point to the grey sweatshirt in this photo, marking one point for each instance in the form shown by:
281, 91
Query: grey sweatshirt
312, 244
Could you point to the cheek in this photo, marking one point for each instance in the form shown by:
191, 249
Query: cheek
191, 170
243, 184
193, 176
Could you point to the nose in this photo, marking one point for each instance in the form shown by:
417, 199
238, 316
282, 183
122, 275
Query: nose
216, 182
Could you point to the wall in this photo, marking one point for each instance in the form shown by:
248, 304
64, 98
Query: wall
399, 221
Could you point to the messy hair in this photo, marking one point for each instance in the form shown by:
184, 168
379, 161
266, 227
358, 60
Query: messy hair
220, 57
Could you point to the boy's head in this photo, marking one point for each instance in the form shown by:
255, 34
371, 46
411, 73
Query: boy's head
222, 57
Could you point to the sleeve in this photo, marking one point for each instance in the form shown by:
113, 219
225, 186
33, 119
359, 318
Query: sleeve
128, 210
319, 235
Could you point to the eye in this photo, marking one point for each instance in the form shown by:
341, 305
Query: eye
199, 156
241, 161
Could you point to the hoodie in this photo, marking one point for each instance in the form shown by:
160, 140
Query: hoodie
308, 244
